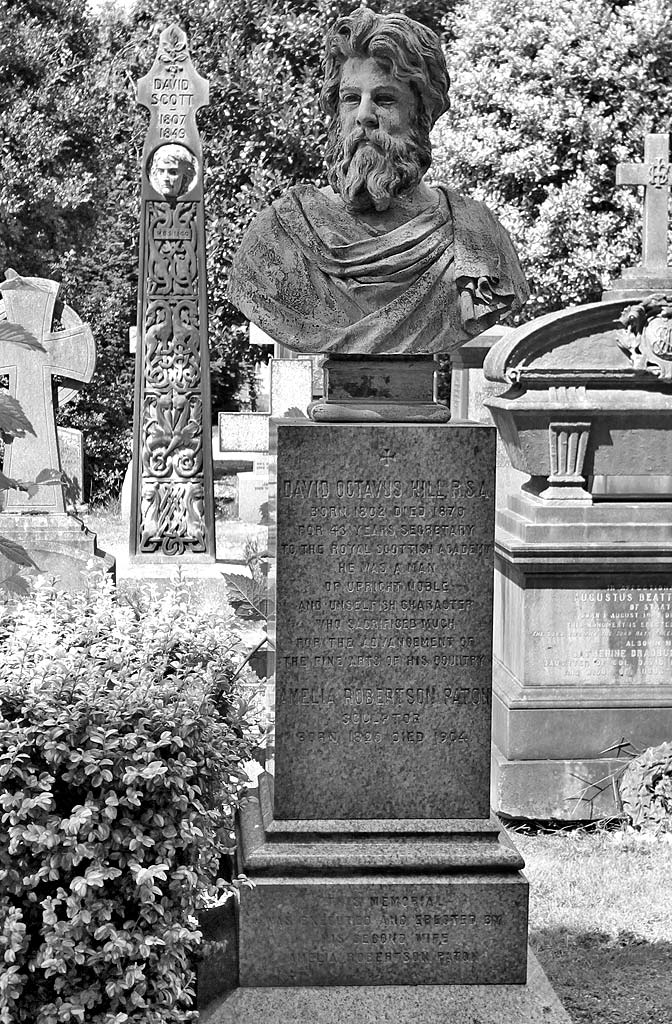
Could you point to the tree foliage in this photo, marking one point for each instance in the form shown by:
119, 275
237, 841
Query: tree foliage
548, 96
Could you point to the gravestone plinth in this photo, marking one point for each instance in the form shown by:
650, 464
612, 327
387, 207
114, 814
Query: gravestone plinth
582, 649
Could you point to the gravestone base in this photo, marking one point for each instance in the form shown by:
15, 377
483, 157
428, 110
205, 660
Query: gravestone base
582, 651
378, 902
59, 544
532, 1003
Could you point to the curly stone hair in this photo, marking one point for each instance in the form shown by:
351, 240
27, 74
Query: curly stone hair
411, 50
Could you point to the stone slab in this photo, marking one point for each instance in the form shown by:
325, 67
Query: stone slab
569, 789
384, 620
532, 1003
58, 543
529, 732
439, 929
243, 432
71, 454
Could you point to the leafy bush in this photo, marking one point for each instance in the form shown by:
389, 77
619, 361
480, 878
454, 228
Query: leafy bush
122, 743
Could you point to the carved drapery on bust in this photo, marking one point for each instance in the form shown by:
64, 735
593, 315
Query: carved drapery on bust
317, 279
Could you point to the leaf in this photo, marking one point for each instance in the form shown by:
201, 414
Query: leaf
49, 476
13, 420
15, 584
15, 553
6, 483
15, 334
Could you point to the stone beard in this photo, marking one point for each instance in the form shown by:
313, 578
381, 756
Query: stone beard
372, 169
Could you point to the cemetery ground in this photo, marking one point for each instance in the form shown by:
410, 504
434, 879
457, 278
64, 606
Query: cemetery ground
600, 898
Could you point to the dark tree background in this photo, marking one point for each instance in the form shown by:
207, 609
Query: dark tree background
547, 96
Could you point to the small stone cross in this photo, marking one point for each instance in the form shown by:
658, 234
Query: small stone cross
654, 174
71, 353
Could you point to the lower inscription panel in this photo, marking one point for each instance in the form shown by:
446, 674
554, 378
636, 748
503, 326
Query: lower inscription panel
380, 930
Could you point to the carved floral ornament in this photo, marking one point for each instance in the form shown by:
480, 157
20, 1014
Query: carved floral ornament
174, 52
648, 339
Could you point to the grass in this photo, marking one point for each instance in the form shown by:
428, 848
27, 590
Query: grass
113, 533
601, 922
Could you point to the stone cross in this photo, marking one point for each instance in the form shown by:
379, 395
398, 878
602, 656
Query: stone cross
172, 503
654, 175
31, 354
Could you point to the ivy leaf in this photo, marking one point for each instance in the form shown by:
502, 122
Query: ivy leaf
15, 334
13, 420
6, 483
15, 584
49, 476
15, 553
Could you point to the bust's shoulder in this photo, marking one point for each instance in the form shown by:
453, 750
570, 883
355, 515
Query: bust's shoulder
464, 208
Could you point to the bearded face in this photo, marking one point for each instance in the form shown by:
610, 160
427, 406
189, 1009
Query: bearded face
371, 169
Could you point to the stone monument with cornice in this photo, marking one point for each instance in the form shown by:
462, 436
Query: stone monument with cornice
383, 887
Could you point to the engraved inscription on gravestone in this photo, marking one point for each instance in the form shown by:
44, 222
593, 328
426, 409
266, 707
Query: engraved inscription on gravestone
418, 931
384, 562
595, 636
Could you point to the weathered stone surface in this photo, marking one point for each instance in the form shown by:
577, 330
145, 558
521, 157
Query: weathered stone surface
562, 789
291, 388
583, 401
385, 930
383, 632
532, 1003
71, 453
58, 543
333, 846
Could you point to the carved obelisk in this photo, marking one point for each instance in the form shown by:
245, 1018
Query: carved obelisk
172, 505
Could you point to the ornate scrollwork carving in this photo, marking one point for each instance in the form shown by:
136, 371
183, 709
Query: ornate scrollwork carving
172, 519
172, 435
172, 265
648, 339
172, 344
172, 504
174, 52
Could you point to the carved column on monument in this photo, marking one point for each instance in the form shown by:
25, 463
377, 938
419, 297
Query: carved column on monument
172, 505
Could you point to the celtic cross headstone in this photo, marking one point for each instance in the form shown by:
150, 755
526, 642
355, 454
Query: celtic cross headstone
32, 355
654, 175
653, 273
172, 505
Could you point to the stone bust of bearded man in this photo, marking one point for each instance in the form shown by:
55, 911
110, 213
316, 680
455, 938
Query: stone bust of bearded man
377, 262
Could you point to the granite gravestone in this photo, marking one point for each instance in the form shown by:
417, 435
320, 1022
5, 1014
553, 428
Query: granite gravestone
31, 354
374, 857
172, 504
